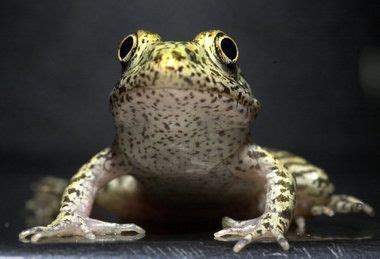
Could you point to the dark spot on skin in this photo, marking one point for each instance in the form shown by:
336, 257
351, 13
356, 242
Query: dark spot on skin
258, 154
282, 182
188, 80
214, 99
282, 174
282, 198
267, 225
286, 214
166, 126
177, 55
192, 56
66, 199
72, 190
158, 58
155, 78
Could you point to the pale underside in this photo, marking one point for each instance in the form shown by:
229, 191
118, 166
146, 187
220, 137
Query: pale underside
178, 141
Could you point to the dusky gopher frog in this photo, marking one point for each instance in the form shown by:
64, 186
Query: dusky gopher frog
183, 149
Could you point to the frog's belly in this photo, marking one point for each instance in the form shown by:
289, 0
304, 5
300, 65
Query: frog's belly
180, 131
178, 139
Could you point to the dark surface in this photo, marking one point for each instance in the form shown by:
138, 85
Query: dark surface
58, 64
200, 248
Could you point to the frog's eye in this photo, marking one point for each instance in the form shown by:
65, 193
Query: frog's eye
226, 49
127, 48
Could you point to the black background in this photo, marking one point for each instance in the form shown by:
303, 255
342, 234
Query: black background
58, 64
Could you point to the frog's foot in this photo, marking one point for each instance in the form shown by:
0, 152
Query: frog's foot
342, 204
231, 223
348, 204
267, 227
76, 225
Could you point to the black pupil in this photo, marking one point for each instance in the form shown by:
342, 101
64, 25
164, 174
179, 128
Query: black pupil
126, 47
229, 48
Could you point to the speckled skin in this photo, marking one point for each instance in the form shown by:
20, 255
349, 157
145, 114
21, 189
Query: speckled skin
183, 113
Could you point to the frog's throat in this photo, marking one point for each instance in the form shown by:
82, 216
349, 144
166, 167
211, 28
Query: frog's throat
122, 93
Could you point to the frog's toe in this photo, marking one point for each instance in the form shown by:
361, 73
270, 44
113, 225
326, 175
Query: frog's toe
228, 222
367, 209
133, 231
26, 235
251, 237
266, 227
359, 207
232, 233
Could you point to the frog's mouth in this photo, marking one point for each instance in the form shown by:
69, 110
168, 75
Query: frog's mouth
184, 97
122, 93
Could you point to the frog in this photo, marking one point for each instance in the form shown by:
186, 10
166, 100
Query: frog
184, 149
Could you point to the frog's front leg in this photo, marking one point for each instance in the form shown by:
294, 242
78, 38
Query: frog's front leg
78, 198
253, 163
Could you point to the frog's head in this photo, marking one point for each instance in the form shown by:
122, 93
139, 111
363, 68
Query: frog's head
207, 63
